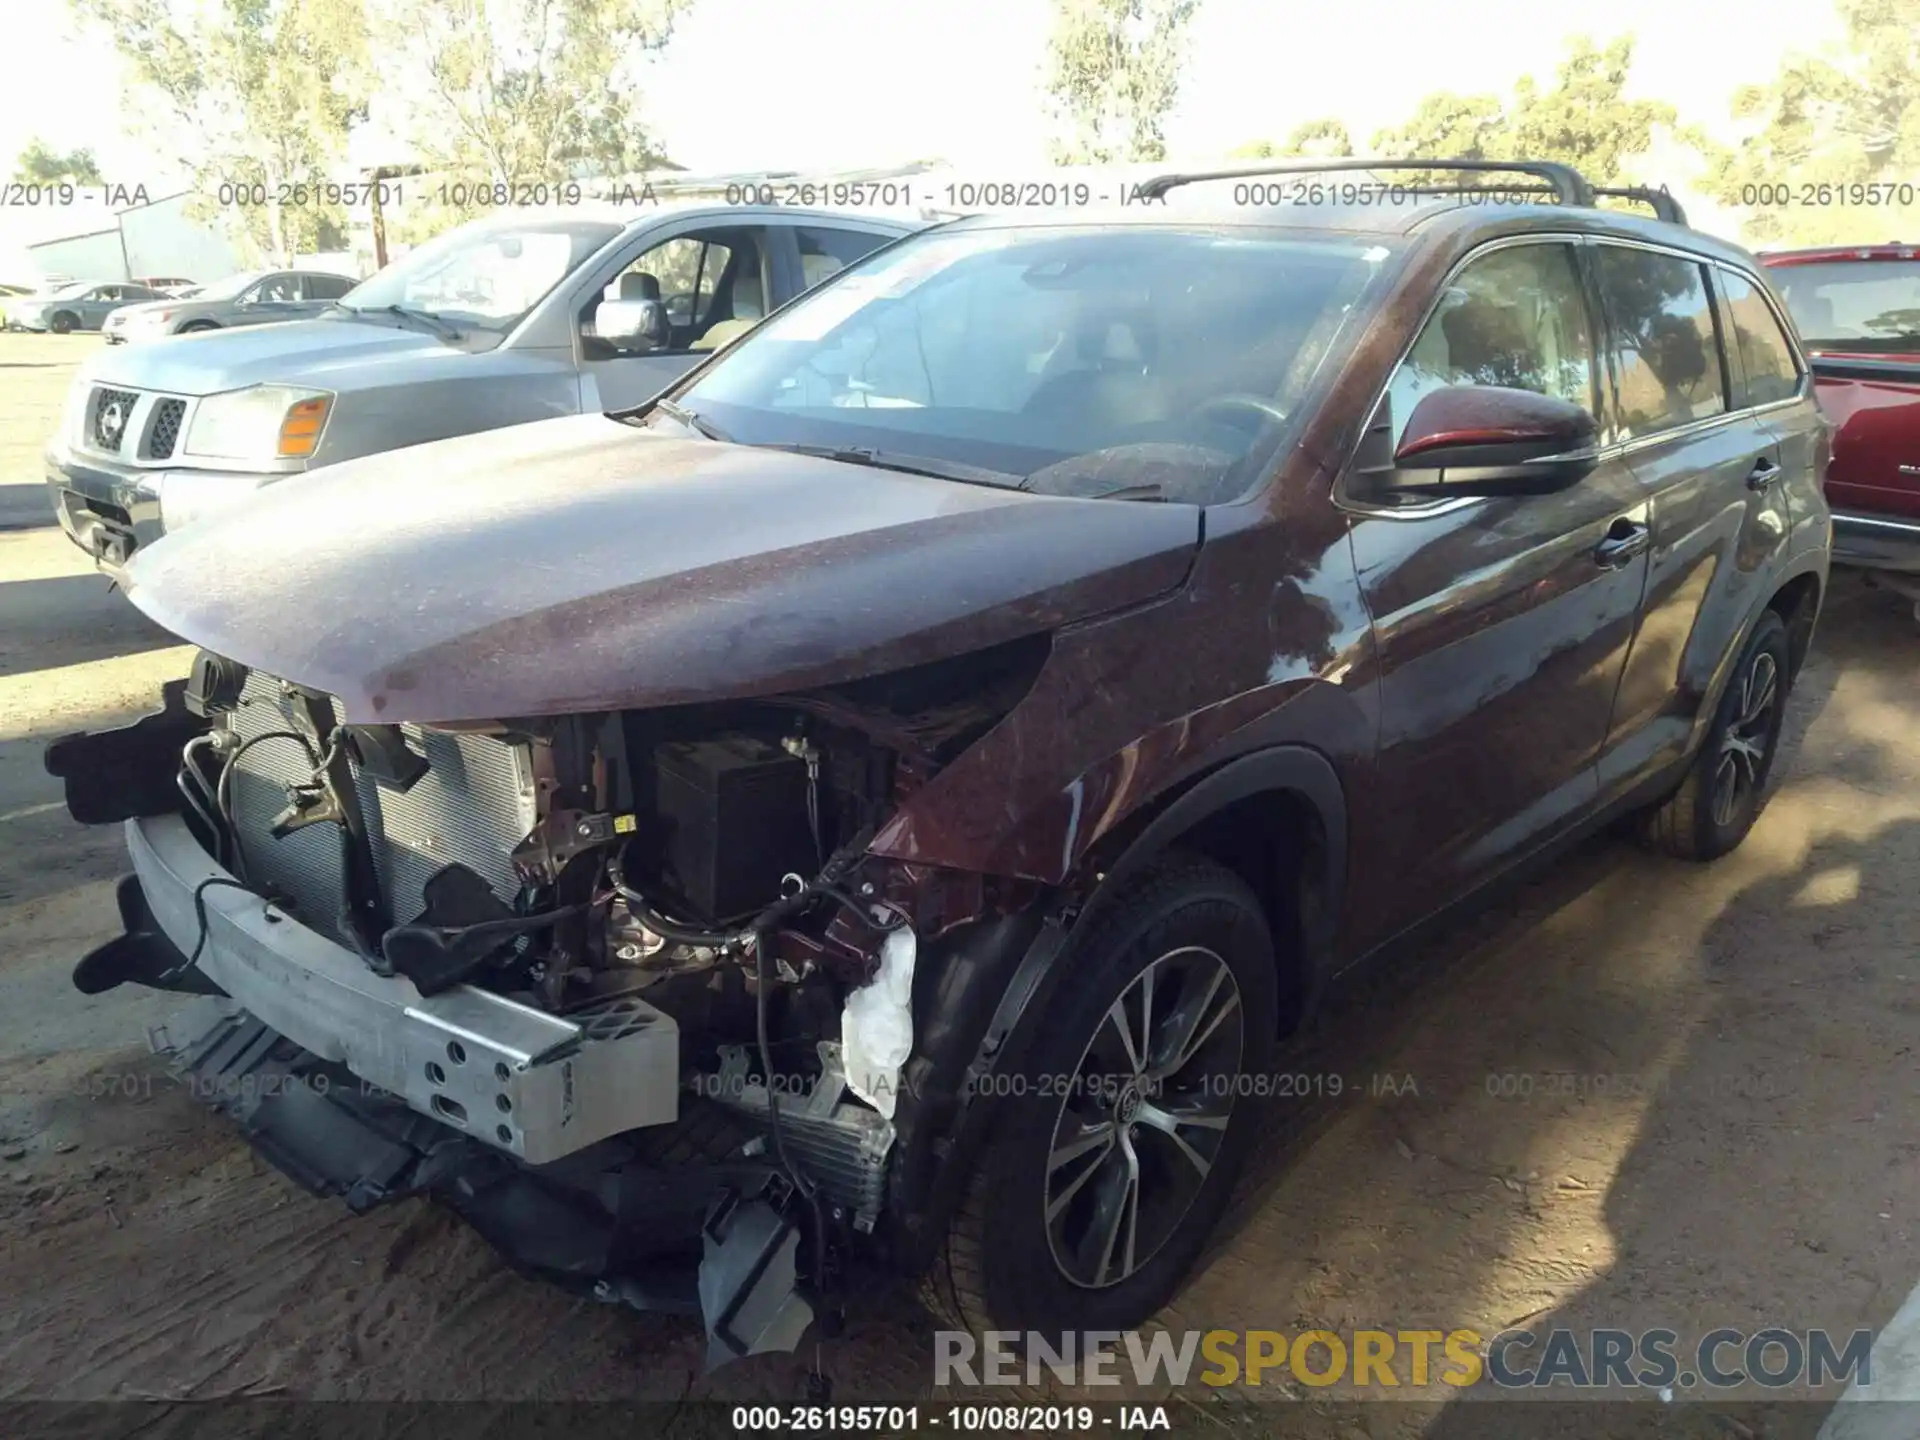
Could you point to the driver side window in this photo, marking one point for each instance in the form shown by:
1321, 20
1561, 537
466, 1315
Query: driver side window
1516, 318
704, 279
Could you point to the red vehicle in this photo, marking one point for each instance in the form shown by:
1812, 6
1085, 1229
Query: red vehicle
1858, 310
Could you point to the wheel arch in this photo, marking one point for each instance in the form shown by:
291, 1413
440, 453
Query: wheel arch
1796, 599
1797, 602
980, 991
1277, 818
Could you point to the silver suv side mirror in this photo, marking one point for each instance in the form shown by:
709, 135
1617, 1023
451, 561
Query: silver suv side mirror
635, 326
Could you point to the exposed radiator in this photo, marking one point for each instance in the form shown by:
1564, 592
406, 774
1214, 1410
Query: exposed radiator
474, 804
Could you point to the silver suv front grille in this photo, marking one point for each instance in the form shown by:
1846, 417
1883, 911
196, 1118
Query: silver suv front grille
110, 418
474, 804
164, 429
137, 426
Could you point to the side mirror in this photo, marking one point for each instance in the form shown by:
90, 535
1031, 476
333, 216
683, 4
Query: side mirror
635, 326
1485, 440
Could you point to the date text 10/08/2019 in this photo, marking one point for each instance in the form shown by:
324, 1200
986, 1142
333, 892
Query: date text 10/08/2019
960, 1419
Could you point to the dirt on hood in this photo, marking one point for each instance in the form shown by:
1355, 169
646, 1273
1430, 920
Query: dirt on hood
584, 564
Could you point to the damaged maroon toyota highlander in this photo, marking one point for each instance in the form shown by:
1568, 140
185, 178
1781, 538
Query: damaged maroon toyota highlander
885, 803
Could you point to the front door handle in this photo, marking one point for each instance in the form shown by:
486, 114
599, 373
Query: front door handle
1625, 539
1763, 474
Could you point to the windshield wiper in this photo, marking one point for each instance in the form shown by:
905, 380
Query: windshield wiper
1149, 491
433, 322
909, 464
674, 410
442, 328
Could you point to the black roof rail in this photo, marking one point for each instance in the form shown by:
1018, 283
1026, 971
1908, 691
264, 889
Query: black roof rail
1664, 206
1567, 183
1661, 202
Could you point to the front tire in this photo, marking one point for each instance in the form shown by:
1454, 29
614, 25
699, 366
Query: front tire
1111, 1159
63, 323
1726, 788
196, 327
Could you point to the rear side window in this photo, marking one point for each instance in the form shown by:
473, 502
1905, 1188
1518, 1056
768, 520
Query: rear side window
327, 287
1516, 318
825, 251
1765, 353
1666, 348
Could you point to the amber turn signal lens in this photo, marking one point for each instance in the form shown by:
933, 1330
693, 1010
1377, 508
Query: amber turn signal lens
300, 431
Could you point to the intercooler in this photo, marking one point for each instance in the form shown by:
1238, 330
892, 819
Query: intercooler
475, 802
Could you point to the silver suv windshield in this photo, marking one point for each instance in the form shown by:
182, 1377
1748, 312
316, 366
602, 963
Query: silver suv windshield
1135, 362
483, 276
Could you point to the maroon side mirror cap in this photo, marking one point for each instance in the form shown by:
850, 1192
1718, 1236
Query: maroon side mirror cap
1492, 440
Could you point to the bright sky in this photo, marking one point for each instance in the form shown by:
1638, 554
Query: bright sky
750, 84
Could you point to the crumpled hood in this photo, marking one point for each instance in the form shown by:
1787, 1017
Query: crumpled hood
326, 354
581, 564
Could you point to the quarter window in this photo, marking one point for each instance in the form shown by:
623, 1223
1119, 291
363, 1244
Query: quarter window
825, 252
1666, 348
1765, 355
1515, 318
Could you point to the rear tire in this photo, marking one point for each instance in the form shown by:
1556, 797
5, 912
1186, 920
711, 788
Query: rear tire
196, 327
1726, 788
1108, 1165
63, 323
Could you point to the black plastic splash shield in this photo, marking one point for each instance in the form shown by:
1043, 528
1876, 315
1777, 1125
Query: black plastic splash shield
619, 1221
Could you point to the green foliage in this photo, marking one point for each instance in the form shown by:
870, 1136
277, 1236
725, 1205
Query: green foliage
522, 92
1583, 119
38, 164
1317, 139
1825, 130
1113, 73
253, 94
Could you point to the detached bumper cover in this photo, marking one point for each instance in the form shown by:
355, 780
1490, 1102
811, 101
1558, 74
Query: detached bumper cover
1876, 542
512, 1077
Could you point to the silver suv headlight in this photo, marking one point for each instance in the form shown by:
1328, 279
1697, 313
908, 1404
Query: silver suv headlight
262, 422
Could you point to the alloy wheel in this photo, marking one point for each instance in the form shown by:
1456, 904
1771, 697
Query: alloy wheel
1742, 766
1143, 1117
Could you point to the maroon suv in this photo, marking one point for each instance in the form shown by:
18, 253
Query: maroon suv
886, 801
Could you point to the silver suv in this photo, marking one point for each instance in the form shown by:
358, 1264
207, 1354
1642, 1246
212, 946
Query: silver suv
520, 316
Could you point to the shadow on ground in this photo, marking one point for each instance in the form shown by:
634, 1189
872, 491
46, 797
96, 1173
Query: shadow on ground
63, 620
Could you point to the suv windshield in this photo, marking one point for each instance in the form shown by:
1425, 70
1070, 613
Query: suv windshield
1157, 363
486, 275
1866, 305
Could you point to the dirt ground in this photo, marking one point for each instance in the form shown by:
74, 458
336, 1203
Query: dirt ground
1635, 1093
